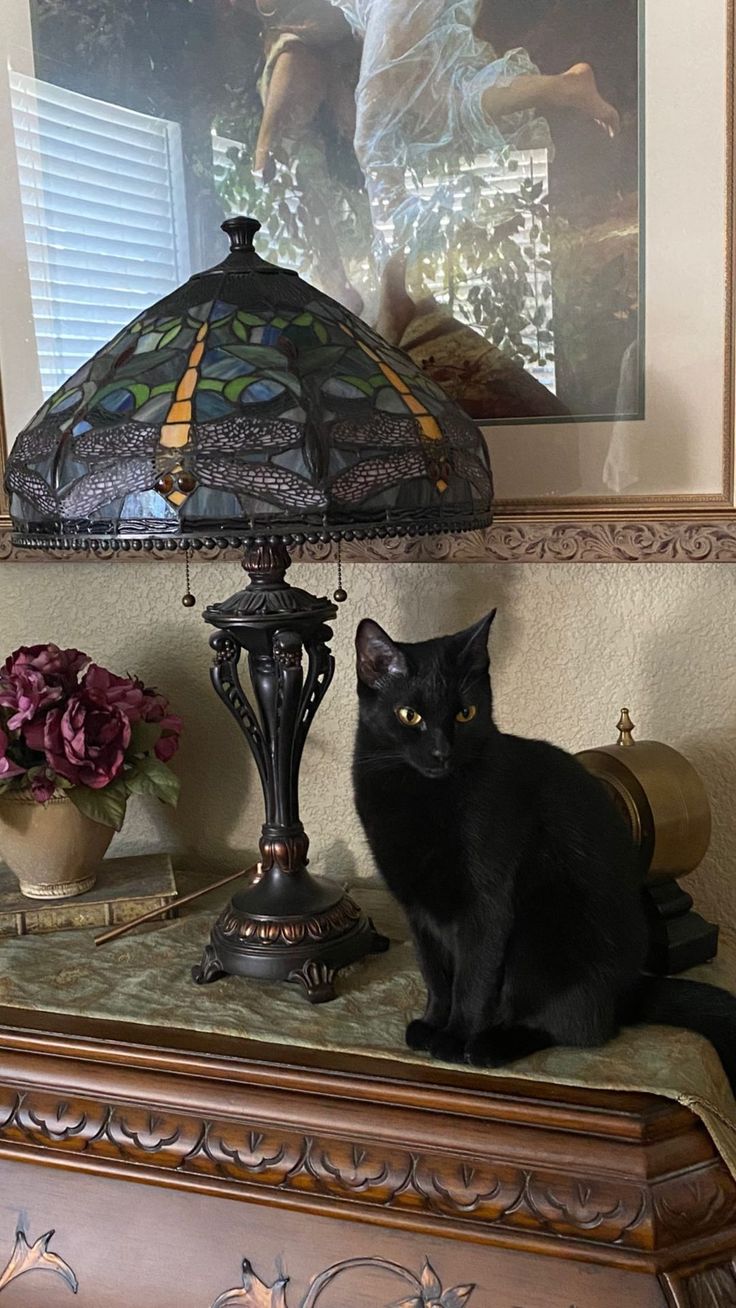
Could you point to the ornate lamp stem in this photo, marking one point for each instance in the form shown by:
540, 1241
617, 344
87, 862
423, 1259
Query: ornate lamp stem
286, 925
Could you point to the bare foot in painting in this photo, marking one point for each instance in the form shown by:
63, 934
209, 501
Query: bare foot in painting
578, 89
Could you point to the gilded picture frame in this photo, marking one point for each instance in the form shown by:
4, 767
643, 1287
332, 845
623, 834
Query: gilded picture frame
674, 460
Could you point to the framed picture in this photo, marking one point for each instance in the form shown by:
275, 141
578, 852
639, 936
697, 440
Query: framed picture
533, 198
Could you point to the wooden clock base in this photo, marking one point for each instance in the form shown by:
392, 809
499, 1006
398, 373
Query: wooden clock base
680, 938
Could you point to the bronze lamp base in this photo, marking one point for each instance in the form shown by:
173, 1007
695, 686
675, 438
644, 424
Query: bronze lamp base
285, 925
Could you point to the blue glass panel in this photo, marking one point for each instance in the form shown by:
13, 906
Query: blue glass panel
66, 401
210, 404
121, 401
261, 392
147, 504
219, 363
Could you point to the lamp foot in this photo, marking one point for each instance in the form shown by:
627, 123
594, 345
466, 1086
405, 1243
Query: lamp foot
210, 969
317, 980
380, 944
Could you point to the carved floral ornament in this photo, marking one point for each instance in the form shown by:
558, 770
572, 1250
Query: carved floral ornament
424, 1291
36, 1257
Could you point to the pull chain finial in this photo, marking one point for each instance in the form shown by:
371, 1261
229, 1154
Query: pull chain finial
340, 595
188, 599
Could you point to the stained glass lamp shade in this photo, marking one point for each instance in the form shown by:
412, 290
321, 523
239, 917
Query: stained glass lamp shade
247, 408
246, 404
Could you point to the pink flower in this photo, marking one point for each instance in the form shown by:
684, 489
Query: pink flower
58, 667
27, 694
43, 786
8, 768
156, 708
86, 741
167, 745
125, 693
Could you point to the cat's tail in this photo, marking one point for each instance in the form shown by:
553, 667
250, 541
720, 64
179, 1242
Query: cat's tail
696, 1006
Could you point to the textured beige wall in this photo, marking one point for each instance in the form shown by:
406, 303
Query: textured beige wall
571, 644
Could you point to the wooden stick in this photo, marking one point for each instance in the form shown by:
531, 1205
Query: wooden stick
173, 903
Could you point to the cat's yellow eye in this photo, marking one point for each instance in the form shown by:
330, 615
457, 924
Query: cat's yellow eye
466, 714
409, 717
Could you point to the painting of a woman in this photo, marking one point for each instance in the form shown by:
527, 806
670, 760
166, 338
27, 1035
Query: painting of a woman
430, 88
462, 173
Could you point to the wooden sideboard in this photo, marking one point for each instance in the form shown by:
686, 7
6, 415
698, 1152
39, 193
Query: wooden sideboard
178, 1171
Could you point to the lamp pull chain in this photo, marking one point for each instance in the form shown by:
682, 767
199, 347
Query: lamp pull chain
340, 594
188, 599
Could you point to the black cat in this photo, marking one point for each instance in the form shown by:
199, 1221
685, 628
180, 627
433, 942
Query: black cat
518, 876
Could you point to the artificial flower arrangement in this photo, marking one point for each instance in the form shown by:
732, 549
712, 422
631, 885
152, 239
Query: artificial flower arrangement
71, 727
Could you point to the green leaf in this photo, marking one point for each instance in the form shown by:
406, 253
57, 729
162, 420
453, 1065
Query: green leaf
143, 737
152, 777
360, 383
321, 332
322, 359
105, 806
170, 335
263, 356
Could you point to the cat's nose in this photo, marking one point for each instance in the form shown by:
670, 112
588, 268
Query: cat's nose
441, 751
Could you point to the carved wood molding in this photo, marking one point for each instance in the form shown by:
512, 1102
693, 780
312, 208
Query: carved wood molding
545, 1200
509, 540
711, 1287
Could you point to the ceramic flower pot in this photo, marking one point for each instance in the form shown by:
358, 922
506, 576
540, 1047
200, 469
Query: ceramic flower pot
53, 849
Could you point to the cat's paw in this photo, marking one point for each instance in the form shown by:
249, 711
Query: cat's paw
487, 1050
447, 1046
502, 1045
420, 1034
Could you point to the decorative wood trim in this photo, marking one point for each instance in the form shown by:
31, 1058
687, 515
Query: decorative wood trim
550, 1199
510, 540
423, 1291
711, 1287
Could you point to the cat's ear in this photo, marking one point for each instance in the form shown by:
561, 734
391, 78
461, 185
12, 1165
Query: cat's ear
377, 656
473, 642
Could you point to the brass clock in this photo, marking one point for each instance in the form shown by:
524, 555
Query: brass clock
664, 803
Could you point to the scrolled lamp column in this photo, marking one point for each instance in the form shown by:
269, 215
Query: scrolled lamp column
285, 925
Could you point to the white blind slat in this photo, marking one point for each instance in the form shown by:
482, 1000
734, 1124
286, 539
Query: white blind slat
104, 210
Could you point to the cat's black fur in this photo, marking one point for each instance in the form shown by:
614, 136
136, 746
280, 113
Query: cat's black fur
518, 876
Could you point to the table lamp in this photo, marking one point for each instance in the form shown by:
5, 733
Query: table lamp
249, 409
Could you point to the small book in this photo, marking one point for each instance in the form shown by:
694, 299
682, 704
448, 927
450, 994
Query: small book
126, 888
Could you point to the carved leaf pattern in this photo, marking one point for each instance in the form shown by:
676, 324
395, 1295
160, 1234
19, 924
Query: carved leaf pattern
36, 1257
427, 1290
253, 1293
554, 1203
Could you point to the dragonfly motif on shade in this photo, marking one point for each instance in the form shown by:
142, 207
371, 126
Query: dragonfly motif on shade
223, 413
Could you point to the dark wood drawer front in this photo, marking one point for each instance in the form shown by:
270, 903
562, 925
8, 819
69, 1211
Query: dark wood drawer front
144, 1246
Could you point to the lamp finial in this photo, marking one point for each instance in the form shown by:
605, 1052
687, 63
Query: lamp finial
241, 231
